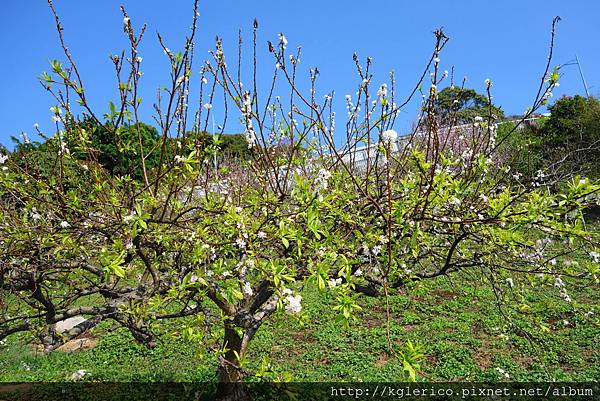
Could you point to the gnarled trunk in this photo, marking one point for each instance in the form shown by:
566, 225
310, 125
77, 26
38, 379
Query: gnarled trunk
230, 386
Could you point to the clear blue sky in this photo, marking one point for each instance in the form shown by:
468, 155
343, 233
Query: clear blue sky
506, 41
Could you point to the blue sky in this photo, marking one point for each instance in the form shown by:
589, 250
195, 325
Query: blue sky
506, 41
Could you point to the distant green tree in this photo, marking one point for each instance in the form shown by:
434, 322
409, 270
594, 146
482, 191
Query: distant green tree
34, 157
457, 105
573, 129
564, 144
41, 161
234, 146
118, 150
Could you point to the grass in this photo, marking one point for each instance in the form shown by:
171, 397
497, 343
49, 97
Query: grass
457, 323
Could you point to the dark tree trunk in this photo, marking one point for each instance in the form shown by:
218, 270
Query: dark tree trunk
230, 386
50, 338
230, 375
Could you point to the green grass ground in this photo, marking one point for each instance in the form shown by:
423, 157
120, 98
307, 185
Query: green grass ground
456, 322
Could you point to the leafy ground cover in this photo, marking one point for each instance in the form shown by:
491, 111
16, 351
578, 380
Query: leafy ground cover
457, 323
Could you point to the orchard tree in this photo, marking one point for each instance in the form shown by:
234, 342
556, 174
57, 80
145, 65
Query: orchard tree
233, 244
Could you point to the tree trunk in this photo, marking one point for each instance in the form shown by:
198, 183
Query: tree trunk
230, 386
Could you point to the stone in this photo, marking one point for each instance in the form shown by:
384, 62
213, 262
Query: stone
79, 374
65, 325
78, 344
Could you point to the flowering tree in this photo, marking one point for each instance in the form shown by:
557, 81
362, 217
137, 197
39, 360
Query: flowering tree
232, 243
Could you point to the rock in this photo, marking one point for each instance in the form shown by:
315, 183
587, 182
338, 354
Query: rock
65, 325
78, 344
79, 374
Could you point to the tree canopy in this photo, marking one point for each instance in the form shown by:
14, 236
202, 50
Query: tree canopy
458, 105
573, 130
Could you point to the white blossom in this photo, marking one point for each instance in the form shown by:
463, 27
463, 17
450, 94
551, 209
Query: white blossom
180, 80
25, 137
3, 158
247, 289
322, 179
250, 137
382, 92
565, 296
240, 243
334, 282
293, 303
64, 224
35, 215
389, 136
129, 217
283, 40
455, 201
